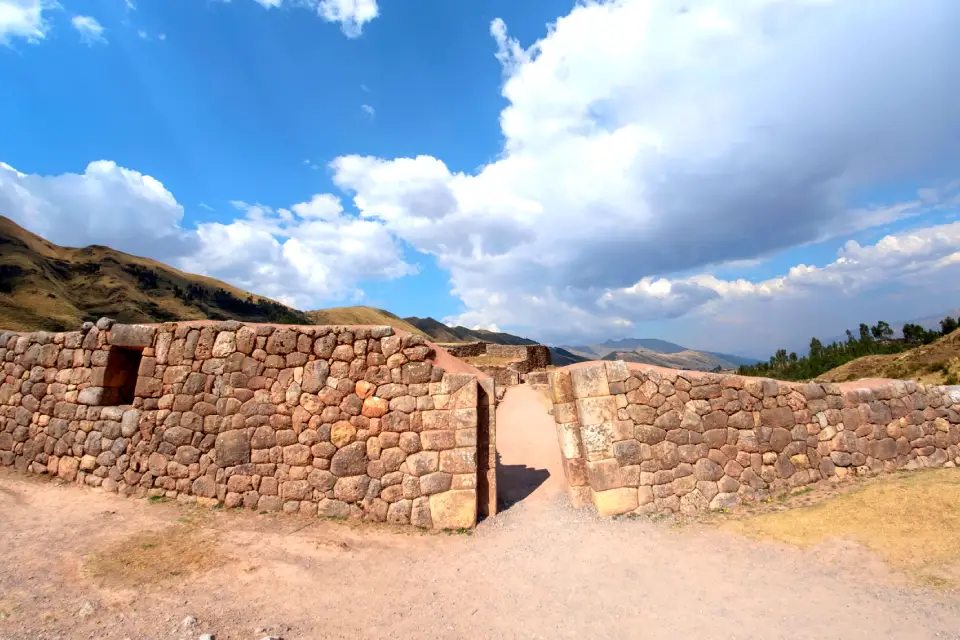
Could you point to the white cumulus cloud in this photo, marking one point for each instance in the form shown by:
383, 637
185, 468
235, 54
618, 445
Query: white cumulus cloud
24, 19
91, 31
643, 139
351, 15
305, 255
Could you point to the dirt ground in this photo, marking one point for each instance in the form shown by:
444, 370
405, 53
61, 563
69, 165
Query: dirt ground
75, 563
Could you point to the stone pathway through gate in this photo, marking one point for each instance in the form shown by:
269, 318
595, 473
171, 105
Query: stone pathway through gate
529, 466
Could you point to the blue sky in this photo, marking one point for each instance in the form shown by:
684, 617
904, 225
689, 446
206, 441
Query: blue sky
568, 171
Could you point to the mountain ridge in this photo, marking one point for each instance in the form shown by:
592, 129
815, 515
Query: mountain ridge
440, 332
46, 286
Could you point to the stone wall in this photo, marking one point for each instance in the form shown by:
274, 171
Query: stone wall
537, 379
502, 375
522, 359
466, 349
528, 357
646, 440
337, 421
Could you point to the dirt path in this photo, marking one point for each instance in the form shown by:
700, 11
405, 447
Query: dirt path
75, 563
530, 467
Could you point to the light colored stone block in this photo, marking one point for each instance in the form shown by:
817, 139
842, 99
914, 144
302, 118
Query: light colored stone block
615, 501
597, 410
454, 509
590, 381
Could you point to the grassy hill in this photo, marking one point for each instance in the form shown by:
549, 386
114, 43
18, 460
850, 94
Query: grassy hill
935, 363
658, 352
686, 359
361, 315
561, 357
440, 332
45, 286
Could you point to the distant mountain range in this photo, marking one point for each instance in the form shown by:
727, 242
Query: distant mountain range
660, 353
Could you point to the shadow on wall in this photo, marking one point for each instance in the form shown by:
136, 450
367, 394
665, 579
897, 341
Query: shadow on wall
517, 481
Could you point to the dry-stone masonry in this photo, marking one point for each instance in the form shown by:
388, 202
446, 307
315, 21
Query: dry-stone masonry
519, 360
337, 421
637, 439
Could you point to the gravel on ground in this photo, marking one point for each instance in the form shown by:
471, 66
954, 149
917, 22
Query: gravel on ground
77, 563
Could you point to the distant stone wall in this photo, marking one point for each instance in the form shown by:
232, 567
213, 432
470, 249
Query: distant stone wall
466, 350
517, 352
525, 358
528, 357
503, 376
539, 379
645, 440
336, 421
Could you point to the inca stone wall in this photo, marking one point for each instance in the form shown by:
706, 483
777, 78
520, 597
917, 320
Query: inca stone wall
529, 357
636, 439
337, 421
466, 349
524, 359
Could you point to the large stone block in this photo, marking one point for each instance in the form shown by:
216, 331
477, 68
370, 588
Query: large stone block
561, 387
131, 335
565, 412
351, 489
233, 448
462, 460
597, 410
590, 381
615, 501
351, 460
424, 462
777, 417
568, 435
604, 474
627, 452
315, 376
465, 397
617, 371
575, 470
597, 441
454, 509
92, 396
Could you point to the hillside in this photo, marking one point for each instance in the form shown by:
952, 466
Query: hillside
934, 363
658, 352
631, 344
560, 357
440, 332
45, 286
361, 315
686, 359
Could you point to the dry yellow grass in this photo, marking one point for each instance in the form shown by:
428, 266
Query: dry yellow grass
361, 315
146, 557
934, 363
911, 520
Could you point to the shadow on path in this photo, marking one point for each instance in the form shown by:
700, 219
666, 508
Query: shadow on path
517, 481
